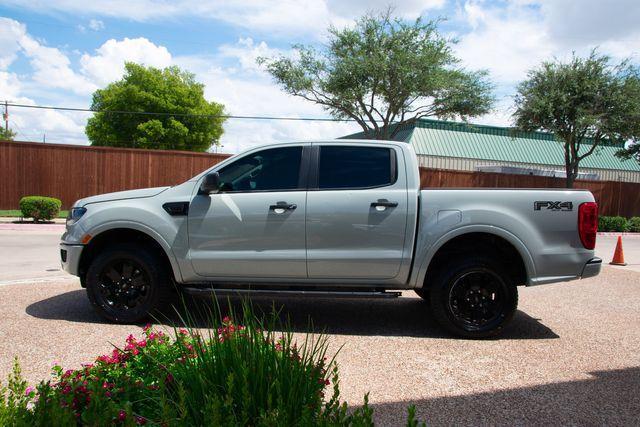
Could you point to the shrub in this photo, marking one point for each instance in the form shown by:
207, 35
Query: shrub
612, 223
235, 375
39, 207
634, 224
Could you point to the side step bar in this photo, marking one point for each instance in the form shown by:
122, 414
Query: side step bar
289, 293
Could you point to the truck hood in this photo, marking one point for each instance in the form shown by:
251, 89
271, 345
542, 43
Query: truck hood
122, 195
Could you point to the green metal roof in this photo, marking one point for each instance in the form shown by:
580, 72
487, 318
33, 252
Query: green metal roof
479, 142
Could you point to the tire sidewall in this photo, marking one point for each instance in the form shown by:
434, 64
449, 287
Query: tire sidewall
145, 259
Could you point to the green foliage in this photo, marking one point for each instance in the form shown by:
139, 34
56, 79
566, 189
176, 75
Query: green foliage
584, 102
632, 151
634, 224
6, 134
148, 89
613, 223
381, 71
232, 374
39, 207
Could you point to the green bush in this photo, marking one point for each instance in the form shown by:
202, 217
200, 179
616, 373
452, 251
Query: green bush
39, 207
235, 374
634, 224
613, 223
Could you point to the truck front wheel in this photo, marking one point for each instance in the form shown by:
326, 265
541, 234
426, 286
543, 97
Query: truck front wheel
126, 283
473, 297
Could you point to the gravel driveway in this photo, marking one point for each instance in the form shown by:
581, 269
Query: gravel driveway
571, 355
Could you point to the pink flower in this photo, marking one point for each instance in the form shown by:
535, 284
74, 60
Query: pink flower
182, 331
147, 327
122, 415
29, 390
140, 420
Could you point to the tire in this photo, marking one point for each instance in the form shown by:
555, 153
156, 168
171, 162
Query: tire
128, 282
473, 297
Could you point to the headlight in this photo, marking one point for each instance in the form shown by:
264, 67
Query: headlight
75, 214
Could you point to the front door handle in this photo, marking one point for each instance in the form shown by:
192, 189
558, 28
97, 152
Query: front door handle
382, 204
280, 207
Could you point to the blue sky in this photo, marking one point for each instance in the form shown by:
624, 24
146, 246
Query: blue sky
59, 52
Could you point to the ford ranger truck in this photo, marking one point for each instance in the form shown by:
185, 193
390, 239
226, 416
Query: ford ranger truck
329, 218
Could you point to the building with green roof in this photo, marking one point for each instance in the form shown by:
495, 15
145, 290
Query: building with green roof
470, 147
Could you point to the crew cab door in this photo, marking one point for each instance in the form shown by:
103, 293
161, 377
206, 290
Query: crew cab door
356, 211
255, 226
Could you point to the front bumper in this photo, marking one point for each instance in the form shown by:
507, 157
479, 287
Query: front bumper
70, 257
591, 268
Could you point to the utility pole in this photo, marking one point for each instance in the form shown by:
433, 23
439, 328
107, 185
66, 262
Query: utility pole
6, 118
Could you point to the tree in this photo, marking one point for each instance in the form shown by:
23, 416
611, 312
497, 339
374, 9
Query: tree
192, 123
584, 102
7, 134
384, 71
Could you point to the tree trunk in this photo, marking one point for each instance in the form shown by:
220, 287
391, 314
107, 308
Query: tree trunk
572, 174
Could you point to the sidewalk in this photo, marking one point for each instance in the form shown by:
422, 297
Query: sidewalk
13, 223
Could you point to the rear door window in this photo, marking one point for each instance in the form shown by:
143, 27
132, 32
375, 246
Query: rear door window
342, 167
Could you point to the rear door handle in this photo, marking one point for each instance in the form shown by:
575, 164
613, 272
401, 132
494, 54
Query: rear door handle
384, 203
280, 207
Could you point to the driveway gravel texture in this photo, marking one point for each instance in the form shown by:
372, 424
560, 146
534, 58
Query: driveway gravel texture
570, 356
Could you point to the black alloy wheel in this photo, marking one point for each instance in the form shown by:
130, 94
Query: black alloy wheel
123, 284
473, 296
477, 298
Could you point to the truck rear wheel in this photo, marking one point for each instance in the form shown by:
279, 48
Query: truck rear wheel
473, 297
127, 282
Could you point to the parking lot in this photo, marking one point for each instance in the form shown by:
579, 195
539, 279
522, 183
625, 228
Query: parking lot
569, 357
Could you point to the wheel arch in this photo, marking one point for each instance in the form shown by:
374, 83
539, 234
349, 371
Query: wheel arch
135, 233
459, 240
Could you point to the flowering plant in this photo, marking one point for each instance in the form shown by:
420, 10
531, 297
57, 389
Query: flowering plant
231, 374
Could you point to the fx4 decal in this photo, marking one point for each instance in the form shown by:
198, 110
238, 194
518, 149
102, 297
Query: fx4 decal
554, 206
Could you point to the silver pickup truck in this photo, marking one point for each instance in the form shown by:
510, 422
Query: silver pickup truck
329, 218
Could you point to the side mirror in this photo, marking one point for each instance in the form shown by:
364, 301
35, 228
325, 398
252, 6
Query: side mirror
210, 183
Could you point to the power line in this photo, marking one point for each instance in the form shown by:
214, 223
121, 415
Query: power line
150, 113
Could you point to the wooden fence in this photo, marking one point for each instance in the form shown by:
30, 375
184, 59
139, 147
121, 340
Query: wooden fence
70, 172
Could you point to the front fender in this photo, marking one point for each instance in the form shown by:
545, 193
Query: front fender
97, 229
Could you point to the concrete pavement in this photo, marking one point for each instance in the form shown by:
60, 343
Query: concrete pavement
570, 356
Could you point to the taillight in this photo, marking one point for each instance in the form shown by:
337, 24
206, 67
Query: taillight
588, 224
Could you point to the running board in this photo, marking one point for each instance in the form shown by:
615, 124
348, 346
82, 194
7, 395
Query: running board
289, 293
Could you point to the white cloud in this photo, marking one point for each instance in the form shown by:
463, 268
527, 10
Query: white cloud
96, 24
310, 17
52, 68
107, 64
10, 35
592, 21
506, 41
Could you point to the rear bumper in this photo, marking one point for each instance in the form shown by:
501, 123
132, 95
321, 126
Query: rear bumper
70, 257
591, 268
